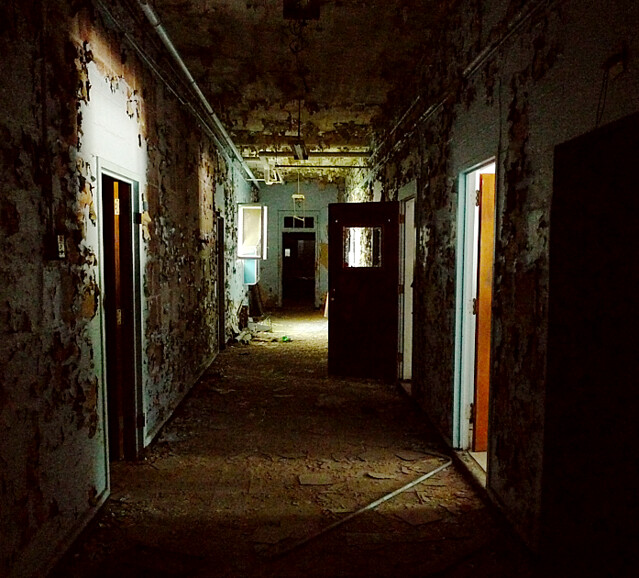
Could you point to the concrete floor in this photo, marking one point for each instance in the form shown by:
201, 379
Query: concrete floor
267, 451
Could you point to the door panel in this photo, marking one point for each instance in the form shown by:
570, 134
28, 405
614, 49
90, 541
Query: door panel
484, 306
590, 501
363, 280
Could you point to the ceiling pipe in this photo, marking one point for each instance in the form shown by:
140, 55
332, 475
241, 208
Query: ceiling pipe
161, 32
206, 126
311, 154
278, 166
484, 55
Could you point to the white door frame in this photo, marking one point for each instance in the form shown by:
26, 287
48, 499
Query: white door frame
104, 167
408, 246
466, 293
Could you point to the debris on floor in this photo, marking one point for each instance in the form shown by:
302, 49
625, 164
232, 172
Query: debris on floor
315, 480
273, 452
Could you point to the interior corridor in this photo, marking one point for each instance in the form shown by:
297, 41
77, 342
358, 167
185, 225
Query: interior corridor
266, 451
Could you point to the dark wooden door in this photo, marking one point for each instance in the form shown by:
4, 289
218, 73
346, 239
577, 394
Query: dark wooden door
590, 506
118, 305
363, 289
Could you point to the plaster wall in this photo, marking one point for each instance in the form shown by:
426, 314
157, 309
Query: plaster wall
539, 87
78, 101
229, 192
278, 199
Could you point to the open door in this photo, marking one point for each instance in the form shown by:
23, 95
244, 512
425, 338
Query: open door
363, 243
483, 309
119, 317
407, 274
475, 262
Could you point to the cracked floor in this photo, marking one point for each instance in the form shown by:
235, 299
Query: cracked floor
268, 451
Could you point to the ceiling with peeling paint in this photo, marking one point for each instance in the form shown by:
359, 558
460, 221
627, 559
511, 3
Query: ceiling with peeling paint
339, 75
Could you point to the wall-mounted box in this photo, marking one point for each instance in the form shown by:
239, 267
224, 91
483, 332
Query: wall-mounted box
251, 271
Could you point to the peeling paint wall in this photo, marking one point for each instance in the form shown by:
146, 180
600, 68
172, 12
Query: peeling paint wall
79, 100
278, 199
538, 87
232, 189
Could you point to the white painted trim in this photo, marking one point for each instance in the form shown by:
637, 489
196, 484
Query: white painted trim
407, 191
70, 537
406, 326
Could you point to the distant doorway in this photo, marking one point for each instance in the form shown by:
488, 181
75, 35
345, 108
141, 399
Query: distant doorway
474, 324
298, 269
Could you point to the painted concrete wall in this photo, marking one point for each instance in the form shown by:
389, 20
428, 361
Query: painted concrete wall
231, 190
279, 200
538, 87
90, 103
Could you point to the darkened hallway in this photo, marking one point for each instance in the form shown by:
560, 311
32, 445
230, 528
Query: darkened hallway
268, 450
168, 165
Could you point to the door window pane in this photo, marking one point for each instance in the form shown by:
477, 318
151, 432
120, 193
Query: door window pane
362, 246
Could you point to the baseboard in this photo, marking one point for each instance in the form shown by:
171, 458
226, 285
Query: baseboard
64, 545
152, 434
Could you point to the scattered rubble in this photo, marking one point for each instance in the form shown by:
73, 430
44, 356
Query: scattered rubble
270, 456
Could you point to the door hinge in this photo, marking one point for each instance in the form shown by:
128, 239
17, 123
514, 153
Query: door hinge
141, 420
471, 413
400, 289
402, 219
118, 316
478, 197
116, 206
475, 306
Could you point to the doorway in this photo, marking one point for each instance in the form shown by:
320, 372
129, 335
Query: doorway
122, 313
298, 269
474, 318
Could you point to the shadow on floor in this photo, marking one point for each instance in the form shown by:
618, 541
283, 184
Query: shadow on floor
267, 450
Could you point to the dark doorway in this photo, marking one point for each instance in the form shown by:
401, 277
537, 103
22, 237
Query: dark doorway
298, 269
119, 314
590, 507
363, 245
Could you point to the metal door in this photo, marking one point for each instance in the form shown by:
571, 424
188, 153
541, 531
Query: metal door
363, 289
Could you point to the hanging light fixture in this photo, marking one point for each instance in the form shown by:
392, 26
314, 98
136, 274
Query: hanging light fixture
299, 203
299, 147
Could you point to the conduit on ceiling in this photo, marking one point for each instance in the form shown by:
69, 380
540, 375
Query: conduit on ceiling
164, 37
